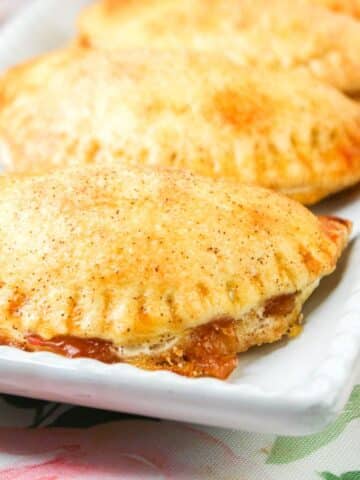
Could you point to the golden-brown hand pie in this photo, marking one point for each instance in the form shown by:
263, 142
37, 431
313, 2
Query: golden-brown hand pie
157, 268
277, 33
201, 112
349, 7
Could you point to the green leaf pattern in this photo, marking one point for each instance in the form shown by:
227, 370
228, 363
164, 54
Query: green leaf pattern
345, 476
329, 476
289, 449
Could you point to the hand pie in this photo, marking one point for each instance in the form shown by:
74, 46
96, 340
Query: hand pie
187, 110
349, 7
284, 34
160, 269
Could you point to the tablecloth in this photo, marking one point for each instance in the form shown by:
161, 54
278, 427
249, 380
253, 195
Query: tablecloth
80, 443
49, 441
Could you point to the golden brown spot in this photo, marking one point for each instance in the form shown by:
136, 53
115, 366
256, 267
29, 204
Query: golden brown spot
144, 322
280, 306
232, 109
112, 6
334, 227
202, 289
84, 41
92, 151
15, 303
310, 262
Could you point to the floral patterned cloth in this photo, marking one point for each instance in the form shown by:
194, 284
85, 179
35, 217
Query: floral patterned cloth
79, 443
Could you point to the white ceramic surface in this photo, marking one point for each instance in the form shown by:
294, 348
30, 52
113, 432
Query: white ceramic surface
293, 387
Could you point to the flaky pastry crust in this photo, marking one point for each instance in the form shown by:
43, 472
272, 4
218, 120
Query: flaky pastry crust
188, 110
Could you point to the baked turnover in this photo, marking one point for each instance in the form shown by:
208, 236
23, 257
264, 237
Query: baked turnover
193, 111
278, 33
160, 269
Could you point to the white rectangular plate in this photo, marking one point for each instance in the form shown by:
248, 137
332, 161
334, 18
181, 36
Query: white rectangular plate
293, 387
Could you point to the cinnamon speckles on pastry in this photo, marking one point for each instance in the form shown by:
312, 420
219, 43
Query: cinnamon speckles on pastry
143, 266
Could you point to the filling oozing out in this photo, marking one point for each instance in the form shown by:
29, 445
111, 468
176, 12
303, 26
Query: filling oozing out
208, 350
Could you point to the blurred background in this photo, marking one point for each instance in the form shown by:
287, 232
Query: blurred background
9, 7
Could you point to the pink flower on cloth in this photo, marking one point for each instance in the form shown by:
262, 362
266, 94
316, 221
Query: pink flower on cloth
126, 450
